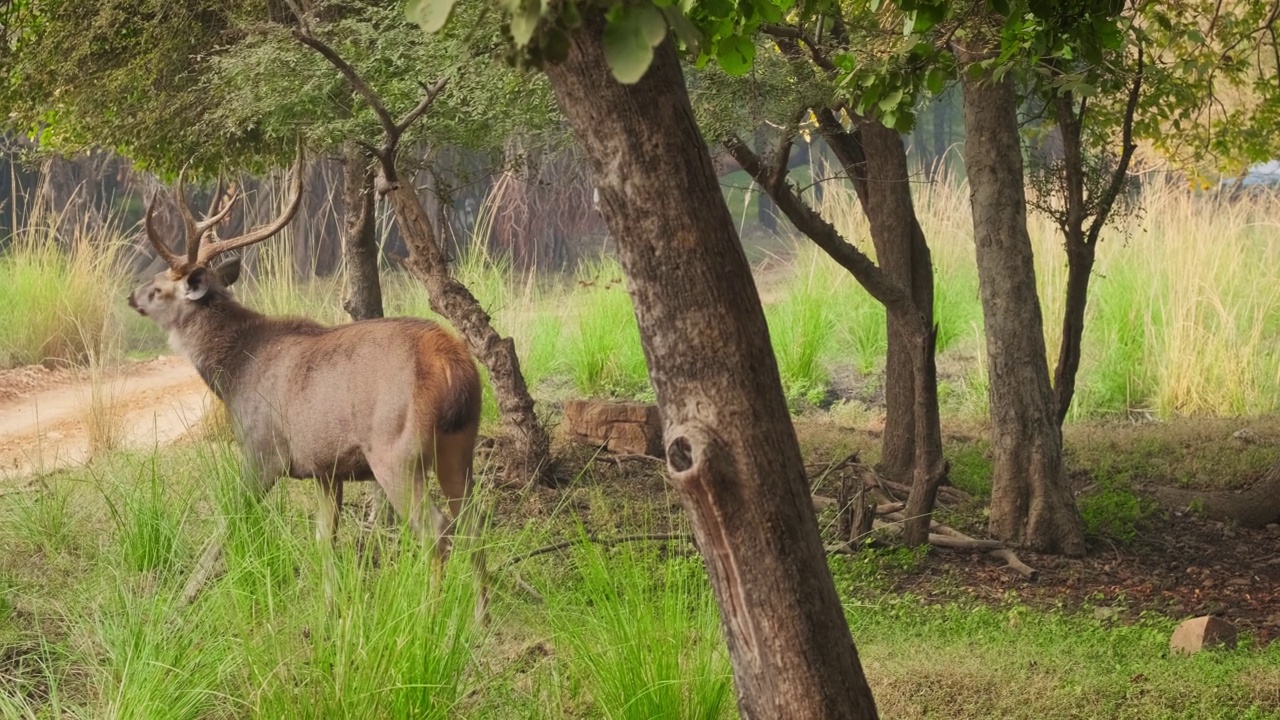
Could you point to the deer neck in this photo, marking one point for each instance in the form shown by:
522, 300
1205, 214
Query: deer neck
219, 340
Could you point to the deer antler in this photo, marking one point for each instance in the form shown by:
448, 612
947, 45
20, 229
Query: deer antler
162, 249
196, 229
204, 252
199, 253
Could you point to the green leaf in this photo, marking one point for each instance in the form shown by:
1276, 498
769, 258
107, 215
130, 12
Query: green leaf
684, 29
627, 50
652, 25
936, 80
768, 11
735, 54
524, 20
890, 102
430, 15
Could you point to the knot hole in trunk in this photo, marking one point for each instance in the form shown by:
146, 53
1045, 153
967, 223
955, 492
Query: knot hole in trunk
680, 454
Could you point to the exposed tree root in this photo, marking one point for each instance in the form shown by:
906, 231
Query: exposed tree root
1255, 506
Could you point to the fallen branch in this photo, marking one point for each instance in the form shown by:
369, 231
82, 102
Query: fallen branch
606, 542
949, 537
944, 541
1015, 563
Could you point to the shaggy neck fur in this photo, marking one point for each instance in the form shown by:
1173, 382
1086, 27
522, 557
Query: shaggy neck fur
221, 338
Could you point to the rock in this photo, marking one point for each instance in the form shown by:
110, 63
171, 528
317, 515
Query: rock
1107, 613
1199, 633
1246, 436
1273, 528
622, 427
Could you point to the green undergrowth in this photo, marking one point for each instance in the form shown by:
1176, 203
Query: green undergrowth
92, 565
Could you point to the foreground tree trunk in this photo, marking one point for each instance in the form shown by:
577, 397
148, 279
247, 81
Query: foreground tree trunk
360, 238
731, 450
1031, 501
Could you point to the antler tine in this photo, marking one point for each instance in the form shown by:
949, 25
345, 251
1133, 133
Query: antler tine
196, 229
210, 250
162, 248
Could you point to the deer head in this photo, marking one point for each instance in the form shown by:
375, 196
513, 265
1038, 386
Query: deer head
191, 282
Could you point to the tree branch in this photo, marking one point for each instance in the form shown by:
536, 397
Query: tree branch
795, 35
823, 233
848, 149
592, 538
432, 91
357, 82
1128, 147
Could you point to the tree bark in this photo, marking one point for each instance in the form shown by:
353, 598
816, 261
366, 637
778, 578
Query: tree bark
360, 238
732, 452
1031, 500
904, 256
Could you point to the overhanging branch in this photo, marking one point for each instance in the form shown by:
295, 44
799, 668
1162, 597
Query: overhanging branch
1128, 147
822, 233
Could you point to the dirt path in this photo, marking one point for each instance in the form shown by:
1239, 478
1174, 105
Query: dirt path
49, 426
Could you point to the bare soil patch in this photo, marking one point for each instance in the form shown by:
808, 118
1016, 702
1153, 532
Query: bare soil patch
46, 416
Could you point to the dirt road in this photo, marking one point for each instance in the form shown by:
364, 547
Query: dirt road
46, 422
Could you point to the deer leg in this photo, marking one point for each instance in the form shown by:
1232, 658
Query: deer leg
256, 479
454, 458
327, 531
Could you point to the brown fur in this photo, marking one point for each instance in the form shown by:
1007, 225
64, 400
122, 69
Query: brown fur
383, 399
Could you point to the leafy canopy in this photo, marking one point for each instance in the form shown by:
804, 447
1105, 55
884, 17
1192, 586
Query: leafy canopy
217, 84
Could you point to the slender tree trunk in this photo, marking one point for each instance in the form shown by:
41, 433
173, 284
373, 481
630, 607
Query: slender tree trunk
529, 455
1031, 501
731, 451
360, 237
1079, 271
904, 257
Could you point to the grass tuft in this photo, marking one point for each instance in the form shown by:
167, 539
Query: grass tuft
642, 628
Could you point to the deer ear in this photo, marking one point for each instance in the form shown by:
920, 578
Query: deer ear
228, 271
197, 283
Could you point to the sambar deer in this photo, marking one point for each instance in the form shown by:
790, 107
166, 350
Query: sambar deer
381, 399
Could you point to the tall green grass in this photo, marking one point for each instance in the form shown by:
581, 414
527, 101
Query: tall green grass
58, 304
626, 631
602, 351
642, 629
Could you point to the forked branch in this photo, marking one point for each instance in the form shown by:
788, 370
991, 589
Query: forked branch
392, 131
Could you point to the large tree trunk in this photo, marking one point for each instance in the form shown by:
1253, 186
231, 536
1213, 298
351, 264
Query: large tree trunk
875, 158
1031, 500
360, 237
731, 451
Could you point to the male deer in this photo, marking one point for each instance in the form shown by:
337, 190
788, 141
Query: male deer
380, 399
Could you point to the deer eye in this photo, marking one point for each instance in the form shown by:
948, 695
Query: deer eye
152, 295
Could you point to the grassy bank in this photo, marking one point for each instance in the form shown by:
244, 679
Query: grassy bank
91, 627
